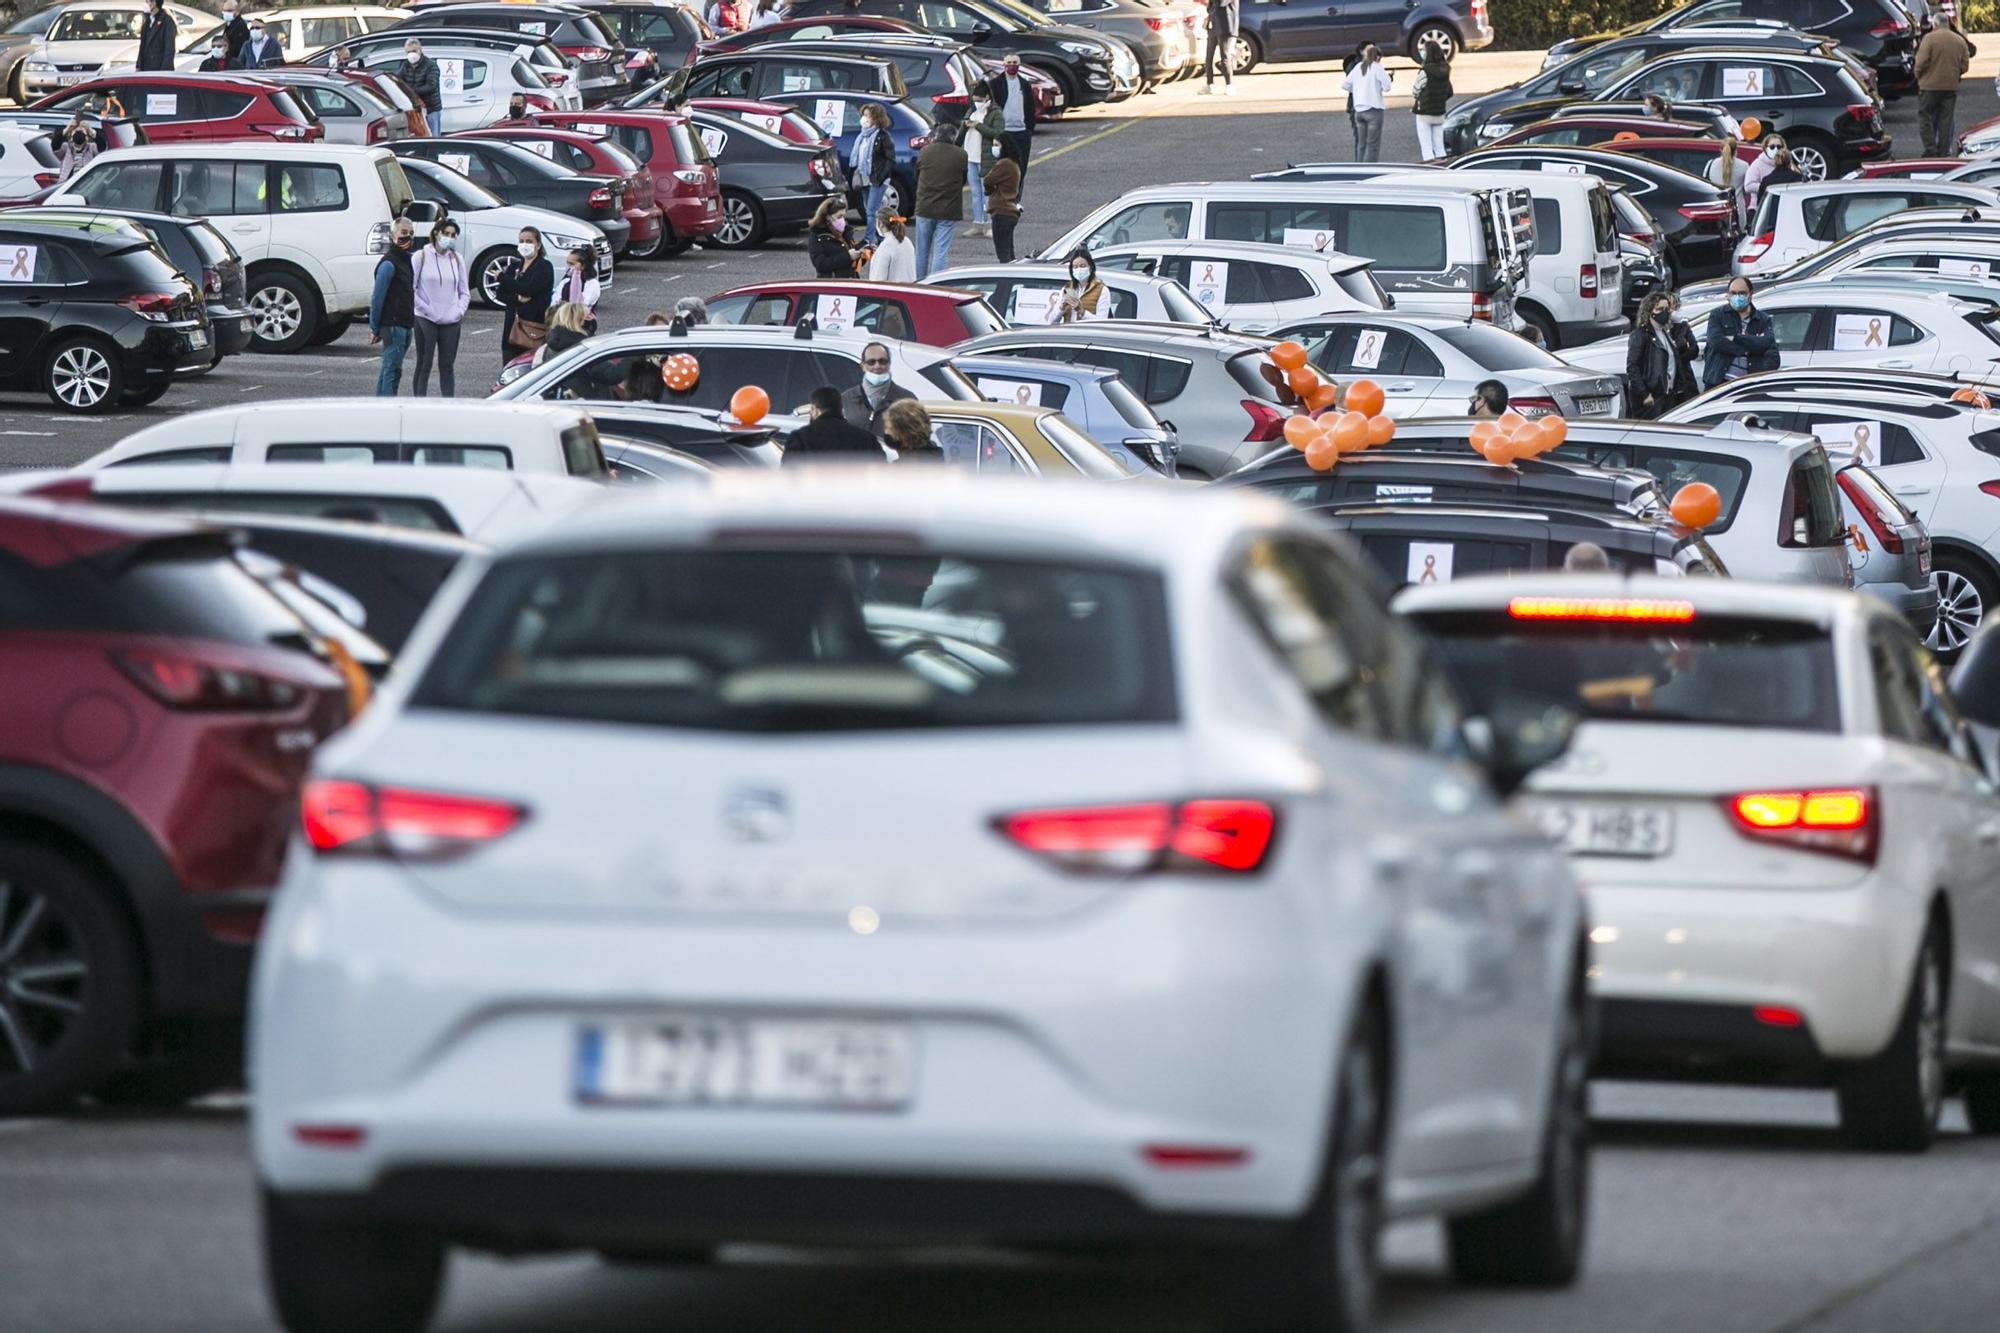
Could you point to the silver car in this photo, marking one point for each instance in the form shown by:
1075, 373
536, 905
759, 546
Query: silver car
1024, 293
1889, 548
1428, 365
347, 111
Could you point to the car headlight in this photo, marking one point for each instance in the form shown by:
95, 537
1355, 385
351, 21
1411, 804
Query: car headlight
38, 67
1082, 49
566, 242
1493, 129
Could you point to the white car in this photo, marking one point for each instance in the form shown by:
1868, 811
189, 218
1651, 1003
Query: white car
1025, 292
622, 806
489, 227
1866, 327
1795, 222
298, 29
492, 67
88, 40
423, 432
1788, 841
28, 165
1251, 287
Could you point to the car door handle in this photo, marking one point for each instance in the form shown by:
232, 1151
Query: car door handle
1402, 388
34, 300
1912, 490
1897, 365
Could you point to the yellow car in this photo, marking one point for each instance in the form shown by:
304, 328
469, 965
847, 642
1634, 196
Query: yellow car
1035, 441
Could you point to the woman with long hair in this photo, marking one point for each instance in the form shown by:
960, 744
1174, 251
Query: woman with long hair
827, 242
1656, 363
527, 285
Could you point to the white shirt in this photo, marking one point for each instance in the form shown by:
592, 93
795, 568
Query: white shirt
1369, 86
894, 261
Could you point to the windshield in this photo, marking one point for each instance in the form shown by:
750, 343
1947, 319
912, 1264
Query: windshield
837, 637
1496, 349
96, 25
1091, 458
1712, 671
1002, 17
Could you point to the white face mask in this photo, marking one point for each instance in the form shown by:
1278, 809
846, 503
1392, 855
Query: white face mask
413, 56
875, 379
527, 250
446, 243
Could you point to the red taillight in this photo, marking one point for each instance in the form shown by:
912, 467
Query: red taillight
1862, 113
1482, 307
180, 681
919, 140
589, 55
1159, 25
1991, 488
1890, 28
1186, 1156
1586, 280
1212, 835
151, 305
1838, 821
1777, 1016
600, 197
46, 178
352, 818
377, 131
1871, 513
1755, 248
1267, 423
1603, 610
1713, 210
211, 282
330, 1136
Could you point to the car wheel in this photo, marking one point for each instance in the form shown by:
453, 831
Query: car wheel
742, 222
337, 1275
893, 195
1891, 1103
83, 375
146, 396
651, 249
283, 314
1321, 1277
1244, 53
1982, 1102
329, 333
69, 981
486, 278
672, 243
1441, 35
1811, 159
1964, 591
1537, 1240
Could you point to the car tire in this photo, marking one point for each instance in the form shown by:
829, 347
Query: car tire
329, 333
1891, 1103
1537, 1240
672, 243
284, 313
1981, 1093
1442, 35
69, 980
743, 224
486, 277
1812, 157
1543, 324
146, 395
1321, 1277
338, 1275
83, 375
1966, 592
652, 248
897, 194
1244, 54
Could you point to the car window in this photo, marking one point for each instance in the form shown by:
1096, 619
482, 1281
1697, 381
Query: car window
1395, 237
1793, 327
1677, 81
1356, 349
1282, 587
1548, 227
1854, 439
1898, 694
1810, 514
1284, 283
328, 102
211, 189
1144, 222
133, 185
326, 31
1863, 210
96, 25
975, 445
1671, 470
1791, 81
310, 188
212, 453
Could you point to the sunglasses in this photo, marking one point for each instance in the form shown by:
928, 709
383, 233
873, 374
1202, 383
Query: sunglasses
880, 364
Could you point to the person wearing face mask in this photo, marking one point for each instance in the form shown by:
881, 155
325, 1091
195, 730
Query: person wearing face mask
517, 111
421, 73
864, 404
1489, 400
872, 164
1016, 101
392, 310
218, 56
235, 33
1741, 339
895, 259
262, 48
579, 281
941, 168
828, 244
981, 142
442, 292
75, 149
156, 38
344, 60
1003, 199
1775, 158
1655, 361
527, 285
1082, 297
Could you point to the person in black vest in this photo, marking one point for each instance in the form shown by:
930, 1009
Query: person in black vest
392, 312
831, 436
156, 37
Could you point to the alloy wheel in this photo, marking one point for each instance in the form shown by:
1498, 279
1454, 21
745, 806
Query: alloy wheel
1809, 162
1960, 609
44, 978
1444, 39
276, 314
892, 199
489, 287
81, 376
738, 221
1930, 1035
1241, 54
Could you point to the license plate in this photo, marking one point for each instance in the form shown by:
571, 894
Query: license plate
820, 1064
708, 205
1588, 405
198, 339
67, 79
1608, 830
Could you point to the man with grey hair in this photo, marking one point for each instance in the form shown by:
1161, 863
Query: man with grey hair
421, 73
864, 404
1586, 558
392, 311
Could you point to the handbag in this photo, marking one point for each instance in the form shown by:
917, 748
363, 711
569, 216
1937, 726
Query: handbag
526, 334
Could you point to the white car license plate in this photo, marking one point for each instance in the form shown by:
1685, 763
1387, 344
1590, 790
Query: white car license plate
1608, 830
65, 80
198, 339
1586, 406
695, 1061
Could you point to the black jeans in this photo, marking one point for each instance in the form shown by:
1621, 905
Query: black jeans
1003, 237
1024, 143
443, 340
1218, 41
1937, 114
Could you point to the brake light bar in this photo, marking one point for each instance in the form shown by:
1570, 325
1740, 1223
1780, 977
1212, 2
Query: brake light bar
1228, 835
355, 819
1586, 278
1603, 610
1710, 210
1839, 821
1267, 423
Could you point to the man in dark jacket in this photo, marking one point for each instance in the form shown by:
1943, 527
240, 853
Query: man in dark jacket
262, 48
1223, 21
236, 31
421, 73
864, 404
830, 435
1741, 339
156, 38
1016, 100
940, 198
392, 311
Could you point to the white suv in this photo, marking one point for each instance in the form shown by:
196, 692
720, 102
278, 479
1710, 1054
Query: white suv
1796, 221
1251, 287
310, 220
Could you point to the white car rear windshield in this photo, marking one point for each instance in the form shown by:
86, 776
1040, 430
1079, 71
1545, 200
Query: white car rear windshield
885, 634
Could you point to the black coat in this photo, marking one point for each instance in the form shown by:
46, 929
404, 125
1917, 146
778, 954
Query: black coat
830, 256
525, 292
1730, 335
997, 88
424, 81
854, 405
237, 31
156, 41
1651, 372
830, 436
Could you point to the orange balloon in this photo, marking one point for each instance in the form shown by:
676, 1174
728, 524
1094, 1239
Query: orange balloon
681, 372
1302, 380
1753, 129
1381, 429
1301, 431
1696, 505
1553, 430
1321, 454
1511, 421
1971, 395
1625, 136
1324, 396
1288, 355
749, 404
1482, 431
1365, 397
1350, 432
1498, 451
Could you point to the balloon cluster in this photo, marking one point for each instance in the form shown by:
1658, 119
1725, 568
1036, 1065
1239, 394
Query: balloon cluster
1323, 439
1512, 436
749, 404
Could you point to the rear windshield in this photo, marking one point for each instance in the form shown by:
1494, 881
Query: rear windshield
583, 456
979, 317
688, 147
1713, 671
809, 640
291, 107
1131, 407
1360, 284
209, 243
1811, 513
205, 597
1181, 307
1246, 368
1496, 349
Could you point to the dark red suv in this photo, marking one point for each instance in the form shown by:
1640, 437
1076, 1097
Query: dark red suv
161, 708
195, 107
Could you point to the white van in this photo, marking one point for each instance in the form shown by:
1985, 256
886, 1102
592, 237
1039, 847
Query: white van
1575, 292
1441, 244
310, 220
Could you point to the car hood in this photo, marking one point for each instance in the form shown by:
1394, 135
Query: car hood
516, 216
69, 53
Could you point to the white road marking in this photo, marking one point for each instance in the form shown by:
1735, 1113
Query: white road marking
46, 434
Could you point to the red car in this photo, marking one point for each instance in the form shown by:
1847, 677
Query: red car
195, 107
684, 181
785, 30
158, 731
935, 316
595, 155
1907, 168
780, 118
1598, 131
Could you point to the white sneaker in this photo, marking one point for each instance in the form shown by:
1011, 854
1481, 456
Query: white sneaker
1207, 90
1229, 90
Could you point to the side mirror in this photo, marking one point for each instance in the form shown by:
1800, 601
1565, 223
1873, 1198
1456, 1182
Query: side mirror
424, 211
981, 32
1517, 737
1571, 87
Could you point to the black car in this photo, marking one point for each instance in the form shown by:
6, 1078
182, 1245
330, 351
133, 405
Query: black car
1696, 218
698, 432
769, 184
1389, 477
1879, 32
658, 34
596, 51
938, 74
1088, 66
1590, 75
460, 195
642, 463
203, 255
1437, 543
518, 176
759, 73
95, 317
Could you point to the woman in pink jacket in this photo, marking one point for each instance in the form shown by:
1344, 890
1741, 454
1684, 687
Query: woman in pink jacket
442, 295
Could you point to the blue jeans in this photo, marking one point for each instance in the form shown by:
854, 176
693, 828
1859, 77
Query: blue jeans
934, 245
395, 344
434, 119
978, 187
871, 204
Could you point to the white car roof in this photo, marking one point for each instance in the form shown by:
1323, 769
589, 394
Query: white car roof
386, 479
1048, 269
316, 420
1982, 193
657, 337
259, 150
1737, 597
1261, 251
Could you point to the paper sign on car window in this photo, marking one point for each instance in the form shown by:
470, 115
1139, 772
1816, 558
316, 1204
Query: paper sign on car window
1429, 562
459, 162
834, 314
1744, 81
1851, 441
1368, 349
1976, 269
1309, 238
1208, 280
797, 83
1018, 392
17, 263
1033, 305
1860, 333
451, 77
1563, 168
540, 148
163, 104
771, 123
539, 29
713, 140
592, 127
827, 113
